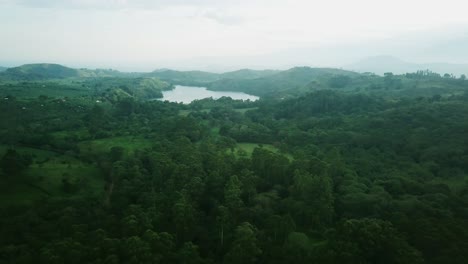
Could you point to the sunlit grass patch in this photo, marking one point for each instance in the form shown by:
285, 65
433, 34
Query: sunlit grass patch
129, 143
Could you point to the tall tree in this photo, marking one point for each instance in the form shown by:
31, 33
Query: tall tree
244, 248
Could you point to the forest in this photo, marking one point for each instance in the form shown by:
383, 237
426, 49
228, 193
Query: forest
329, 166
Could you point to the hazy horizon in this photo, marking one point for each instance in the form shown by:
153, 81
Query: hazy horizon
218, 36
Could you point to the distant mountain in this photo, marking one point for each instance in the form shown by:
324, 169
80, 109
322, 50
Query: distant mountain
44, 71
183, 77
115, 88
293, 80
97, 73
381, 64
202, 77
39, 72
247, 74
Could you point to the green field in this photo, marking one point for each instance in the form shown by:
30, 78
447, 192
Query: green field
129, 143
57, 88
246, 149
18, 193
80, 133
48, 176
187, 112
243, 110
44, 178
37, 154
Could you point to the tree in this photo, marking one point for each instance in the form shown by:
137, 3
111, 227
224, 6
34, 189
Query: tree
189, 254
223, 221
184, 214
13, 163
244, 249
136, 250
316, 195
232, 193
298, 248
96, 119
116, 153
339, 81
371, 241
125, 106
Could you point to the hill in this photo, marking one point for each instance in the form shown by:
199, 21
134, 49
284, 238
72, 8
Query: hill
44, 71
382, 64
247, 74
184, 77
201, 77
97, 73
3, 68
357, 168
115, 88
291, 81
39, 72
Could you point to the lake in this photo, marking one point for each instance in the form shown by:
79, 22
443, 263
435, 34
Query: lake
186, 94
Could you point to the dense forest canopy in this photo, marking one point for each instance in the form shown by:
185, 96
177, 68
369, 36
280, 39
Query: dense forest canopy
329, 166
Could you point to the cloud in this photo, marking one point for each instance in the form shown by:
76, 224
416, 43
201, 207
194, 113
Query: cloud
222, 17
112, 4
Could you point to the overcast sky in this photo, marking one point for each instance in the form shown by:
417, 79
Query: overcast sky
150, 34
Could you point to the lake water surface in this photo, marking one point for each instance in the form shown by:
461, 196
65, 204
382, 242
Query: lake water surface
186, 94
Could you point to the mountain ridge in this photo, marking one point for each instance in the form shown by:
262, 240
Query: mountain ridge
387, 63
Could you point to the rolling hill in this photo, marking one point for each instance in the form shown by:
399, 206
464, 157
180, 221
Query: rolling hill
381, 64
201, 77
293, 79
39, 72
247, 74
44, 71
184, 77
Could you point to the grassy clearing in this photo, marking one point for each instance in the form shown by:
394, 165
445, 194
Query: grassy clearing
48, 176
455, 183
18, 193
214, 131
37, 154
246, 149
187, 112
243, 110
57, 88
81, 133
44, 178
249, 147
129, 143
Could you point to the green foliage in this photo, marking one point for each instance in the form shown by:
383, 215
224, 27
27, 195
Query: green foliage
279, 84
371, 241
244, 248
347, 168
13, 164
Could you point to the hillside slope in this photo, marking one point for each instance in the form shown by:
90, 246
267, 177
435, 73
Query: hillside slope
39, 72
381, 64
291, 80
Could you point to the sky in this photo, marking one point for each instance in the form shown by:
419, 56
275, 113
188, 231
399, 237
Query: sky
143, 35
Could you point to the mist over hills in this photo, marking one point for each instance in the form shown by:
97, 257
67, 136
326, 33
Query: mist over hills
381, 64
40, 71
281, 84
374, 64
